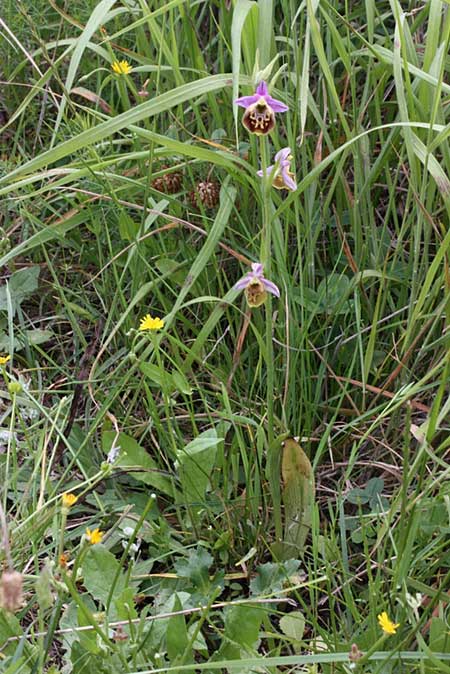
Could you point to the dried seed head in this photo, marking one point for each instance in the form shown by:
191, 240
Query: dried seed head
207, 193
11, 598
169, 183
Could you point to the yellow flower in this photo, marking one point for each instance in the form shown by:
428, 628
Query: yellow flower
4, 359
69, 499
94, 536
121, 67
149, 323
386, 623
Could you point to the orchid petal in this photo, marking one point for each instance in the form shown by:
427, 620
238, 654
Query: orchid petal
283, 155
244, 282
257, 269
269, 170
276, 105
261, 89
270, 287
288, 181
246, 101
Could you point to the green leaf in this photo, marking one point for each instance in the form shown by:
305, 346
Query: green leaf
100, 569
271, 578
297, 496
177, 639
357, 496
181, 383
124, 604
293, 626
21, 285
9, 627
374, 487
333, 291
32, 337
196, 464
204, 441
132, 455
196, 568
241, 633
157, 375
128, 228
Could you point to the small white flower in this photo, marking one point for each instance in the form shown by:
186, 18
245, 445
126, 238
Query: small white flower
113, 454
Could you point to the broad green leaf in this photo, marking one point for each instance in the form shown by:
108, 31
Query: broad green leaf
157, 375
196, 463
20, 286
195, 568
133, 455
177, 639
124, 604
204, 441
271, 578
181, 383
32, 337
100, 572
293, 626
297, 496
241, 632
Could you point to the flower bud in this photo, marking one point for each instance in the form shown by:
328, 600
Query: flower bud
14, 387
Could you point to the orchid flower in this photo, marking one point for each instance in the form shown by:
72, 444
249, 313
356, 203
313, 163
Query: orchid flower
260, 109
256, 286
283, 178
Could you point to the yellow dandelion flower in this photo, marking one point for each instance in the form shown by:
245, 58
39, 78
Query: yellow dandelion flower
149, 323
95, 536
386, 623
4, 359
69, 499
121, 67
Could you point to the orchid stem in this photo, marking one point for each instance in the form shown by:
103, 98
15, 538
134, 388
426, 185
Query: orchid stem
266, 258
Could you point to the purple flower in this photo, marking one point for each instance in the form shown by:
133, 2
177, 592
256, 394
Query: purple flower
283, 178
256, 286
260, 109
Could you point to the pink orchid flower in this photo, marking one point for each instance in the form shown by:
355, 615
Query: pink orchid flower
283, 178
260, 109
256, 286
